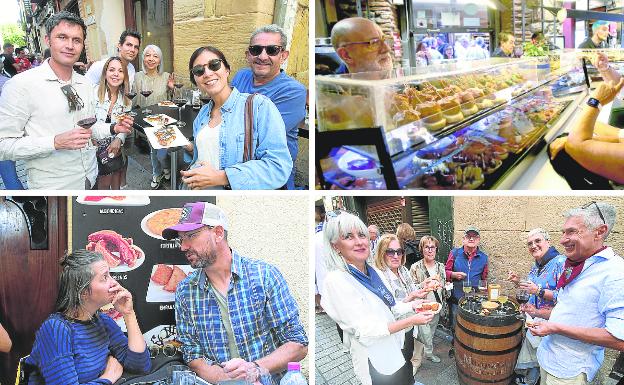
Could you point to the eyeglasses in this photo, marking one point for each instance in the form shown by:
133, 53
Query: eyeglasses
430, 247
597, 207
189, 236
467, 236
214, 65
372, 44
168, 350
397, 252
271, 50
535, 242
337, 212
74, 101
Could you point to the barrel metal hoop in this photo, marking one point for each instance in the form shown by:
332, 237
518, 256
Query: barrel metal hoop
489, 336
489, 353
484, 381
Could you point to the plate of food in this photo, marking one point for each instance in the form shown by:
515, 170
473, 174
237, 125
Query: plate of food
435, 307
165, 137
113, 200
489, 305
167, 103
159, 119
358, 166
120, 252
154, 223
163, 281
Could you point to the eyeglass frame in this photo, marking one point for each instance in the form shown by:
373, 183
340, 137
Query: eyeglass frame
337, 212
195, 70
190, 235
588, 205
159, 349
265, 48
390, 252
535, 242
433, 247
372, 43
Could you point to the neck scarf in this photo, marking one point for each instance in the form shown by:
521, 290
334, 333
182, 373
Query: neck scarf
571, 269
550, 254
373, 283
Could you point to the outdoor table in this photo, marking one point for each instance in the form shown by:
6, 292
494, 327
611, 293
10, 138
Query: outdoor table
188, 116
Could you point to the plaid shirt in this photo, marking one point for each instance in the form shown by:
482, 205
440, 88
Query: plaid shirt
262, 310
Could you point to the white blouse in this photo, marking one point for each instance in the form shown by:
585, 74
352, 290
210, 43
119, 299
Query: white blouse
364, 318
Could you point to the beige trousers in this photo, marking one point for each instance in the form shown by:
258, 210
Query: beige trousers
549, 379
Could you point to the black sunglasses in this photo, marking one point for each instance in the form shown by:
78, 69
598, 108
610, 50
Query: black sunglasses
337, 212
214, 65
271, 50
597, 207
398, 252
74, 101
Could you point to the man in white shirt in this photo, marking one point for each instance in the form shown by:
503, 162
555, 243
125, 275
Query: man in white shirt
40, 108
128, 48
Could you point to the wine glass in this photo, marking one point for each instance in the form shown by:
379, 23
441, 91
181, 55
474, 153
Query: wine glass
483, 286
204, 98
86, 119
131, 94
146, 90
466, 287
522, 296
180, 101
177, 82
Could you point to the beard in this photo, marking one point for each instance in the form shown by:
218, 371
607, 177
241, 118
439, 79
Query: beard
204, 259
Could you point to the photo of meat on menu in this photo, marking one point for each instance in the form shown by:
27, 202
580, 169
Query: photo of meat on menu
127, 232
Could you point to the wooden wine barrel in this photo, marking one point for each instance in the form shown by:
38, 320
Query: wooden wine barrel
486, 348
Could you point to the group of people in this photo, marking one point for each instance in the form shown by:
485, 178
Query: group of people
576, 301
235, 316
59, 153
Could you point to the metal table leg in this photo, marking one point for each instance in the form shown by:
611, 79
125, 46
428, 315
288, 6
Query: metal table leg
174, 169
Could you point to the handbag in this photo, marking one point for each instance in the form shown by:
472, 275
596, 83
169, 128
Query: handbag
248, 146
161, 371
106, 164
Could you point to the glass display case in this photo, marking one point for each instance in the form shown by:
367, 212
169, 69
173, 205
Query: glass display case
454, 126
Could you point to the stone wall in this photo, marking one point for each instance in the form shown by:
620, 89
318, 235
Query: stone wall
109, 23
227, 25
504, 223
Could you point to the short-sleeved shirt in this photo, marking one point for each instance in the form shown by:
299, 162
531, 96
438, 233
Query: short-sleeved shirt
8, 64
594, 299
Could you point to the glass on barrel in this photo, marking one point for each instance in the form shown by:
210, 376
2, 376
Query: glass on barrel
480, 305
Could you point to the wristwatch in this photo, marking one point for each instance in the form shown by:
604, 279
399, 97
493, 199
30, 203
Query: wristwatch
541, 293
593, 102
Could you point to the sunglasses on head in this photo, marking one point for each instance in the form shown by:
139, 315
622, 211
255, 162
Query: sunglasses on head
214, 65
271, 50
597, 207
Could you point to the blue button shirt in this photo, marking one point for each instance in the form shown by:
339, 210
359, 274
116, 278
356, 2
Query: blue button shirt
262, 310
594, 299
271, 164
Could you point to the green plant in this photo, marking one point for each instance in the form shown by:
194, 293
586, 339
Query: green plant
539, 49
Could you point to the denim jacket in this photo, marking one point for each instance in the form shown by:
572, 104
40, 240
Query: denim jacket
271, 164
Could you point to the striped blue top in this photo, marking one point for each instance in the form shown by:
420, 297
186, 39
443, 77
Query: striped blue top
69, 352
262, 310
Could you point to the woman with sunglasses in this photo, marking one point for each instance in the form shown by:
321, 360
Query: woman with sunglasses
426, 271
161, 84
357, 299
219, 132
78, 344
110, 102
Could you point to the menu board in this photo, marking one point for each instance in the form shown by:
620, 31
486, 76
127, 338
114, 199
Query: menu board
126, 230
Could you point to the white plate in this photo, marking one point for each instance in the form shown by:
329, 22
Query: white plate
350, 156
146, 230
157, 293
172, 105
122, 267
133, 200
439, 308
156, 331
168, 119
179, 141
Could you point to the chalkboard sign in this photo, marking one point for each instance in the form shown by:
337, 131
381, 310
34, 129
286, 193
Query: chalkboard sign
125, 231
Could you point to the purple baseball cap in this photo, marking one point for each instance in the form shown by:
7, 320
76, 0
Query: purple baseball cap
196, 215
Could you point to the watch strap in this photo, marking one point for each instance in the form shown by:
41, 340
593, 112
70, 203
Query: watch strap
593, 102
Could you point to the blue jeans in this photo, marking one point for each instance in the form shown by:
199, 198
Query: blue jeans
159, 161
9, 175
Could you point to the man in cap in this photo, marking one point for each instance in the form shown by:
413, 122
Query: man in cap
466, 263
362, 45
590, 304
600, 33
373, 233
234, 315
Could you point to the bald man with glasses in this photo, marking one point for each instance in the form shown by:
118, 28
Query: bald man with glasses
362, 45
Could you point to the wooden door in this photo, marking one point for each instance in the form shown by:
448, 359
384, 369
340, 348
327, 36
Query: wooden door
28, 278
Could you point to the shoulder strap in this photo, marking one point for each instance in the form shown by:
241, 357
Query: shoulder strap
248, 149
435, 293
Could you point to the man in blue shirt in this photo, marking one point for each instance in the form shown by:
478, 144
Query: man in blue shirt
590, 306
265, 54
235, 316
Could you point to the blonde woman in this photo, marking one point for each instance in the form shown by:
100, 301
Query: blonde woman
422, 271
407, 236
356, 298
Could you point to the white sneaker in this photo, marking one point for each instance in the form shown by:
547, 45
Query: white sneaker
433, 358
155, 181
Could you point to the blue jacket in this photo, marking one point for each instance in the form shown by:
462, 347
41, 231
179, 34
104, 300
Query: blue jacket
271, 164
472, 270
